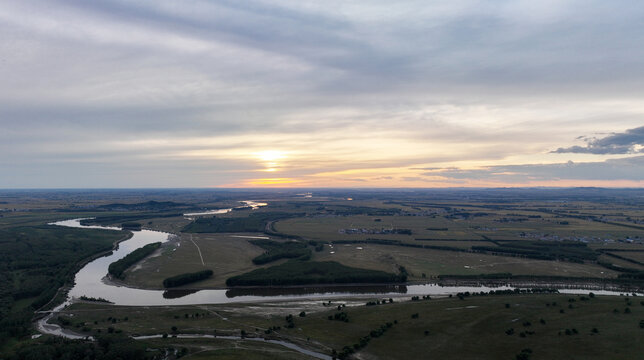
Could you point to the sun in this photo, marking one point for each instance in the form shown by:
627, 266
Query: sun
271, 159
270, 155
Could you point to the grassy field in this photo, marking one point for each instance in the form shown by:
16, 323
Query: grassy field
473, 328
496, 225
226, 255
620, 262
301, 272
327, 228
637, 256
439, 224
436, 262
231, 349
460, 227
170, 224
620, 246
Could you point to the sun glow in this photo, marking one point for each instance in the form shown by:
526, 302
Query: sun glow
271, 182
270, 155
270, 159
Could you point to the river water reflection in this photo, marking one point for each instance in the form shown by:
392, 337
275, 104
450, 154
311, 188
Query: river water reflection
248, 204
90, 281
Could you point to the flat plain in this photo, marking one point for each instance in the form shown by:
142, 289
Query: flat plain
594, 237
477, 327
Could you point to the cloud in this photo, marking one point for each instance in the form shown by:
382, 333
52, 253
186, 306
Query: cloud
631, 168
102, 88
629, 142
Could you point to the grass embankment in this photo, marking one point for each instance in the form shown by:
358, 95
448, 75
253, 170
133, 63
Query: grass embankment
187, 278
476, 327
296, 272
117, 268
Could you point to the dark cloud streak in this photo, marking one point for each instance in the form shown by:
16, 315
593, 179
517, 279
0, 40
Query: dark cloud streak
631, 168
619, 143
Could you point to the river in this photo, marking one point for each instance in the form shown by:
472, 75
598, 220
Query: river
253, 205
90, 282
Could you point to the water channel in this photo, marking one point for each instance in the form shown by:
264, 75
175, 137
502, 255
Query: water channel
91, 281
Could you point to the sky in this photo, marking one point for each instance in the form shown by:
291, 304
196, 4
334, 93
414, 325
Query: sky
194, 93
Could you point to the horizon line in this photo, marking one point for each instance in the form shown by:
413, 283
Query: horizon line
333, 188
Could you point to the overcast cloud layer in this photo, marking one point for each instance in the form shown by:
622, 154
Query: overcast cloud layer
200, 93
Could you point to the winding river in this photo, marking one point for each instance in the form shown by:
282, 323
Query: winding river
91, 281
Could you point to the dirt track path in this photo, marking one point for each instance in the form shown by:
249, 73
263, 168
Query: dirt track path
199, 250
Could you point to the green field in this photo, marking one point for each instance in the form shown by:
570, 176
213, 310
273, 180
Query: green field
496, 225
472, 328
301, 272
231, 349
437, 262
565, 233
621, 262
637, 256
464, 227
229, 256
226, 255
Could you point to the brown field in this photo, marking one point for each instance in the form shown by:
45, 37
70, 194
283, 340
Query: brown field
224, 254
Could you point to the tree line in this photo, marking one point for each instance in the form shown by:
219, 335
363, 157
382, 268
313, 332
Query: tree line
187, 278
117, 268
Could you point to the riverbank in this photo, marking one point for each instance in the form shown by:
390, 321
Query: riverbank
89, 283
63, 291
